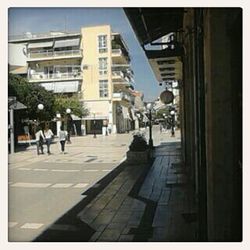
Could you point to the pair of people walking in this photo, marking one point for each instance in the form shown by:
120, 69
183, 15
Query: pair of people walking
43, 137
46, 136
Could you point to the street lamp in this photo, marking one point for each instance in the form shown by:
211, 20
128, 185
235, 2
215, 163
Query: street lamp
172, 113
58, 123
40, 107
69, 123
150, 142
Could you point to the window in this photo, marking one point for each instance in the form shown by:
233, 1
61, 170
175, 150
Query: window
103, 64
103, 88
102, 43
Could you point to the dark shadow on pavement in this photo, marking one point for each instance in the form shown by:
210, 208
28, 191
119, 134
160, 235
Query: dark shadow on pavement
69, 228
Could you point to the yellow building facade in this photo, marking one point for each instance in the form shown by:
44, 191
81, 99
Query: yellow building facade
106, 90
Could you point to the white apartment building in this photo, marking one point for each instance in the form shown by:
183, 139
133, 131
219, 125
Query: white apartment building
93, 65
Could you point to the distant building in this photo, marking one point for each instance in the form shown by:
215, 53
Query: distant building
93, 65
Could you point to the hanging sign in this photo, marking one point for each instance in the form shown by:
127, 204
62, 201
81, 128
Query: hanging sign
166, 96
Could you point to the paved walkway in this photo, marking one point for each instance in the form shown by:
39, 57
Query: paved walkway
147, 202
144, 206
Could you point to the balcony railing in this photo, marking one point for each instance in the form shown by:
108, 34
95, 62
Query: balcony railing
122, 96
54, 76
117, 73
29, 35
119, 77
121, 53
49, 53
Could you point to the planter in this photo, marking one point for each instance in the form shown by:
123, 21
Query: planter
137, 157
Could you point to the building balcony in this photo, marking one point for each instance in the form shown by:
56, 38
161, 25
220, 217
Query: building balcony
120, 57
49, 55
119, 78
41, 77
121, 97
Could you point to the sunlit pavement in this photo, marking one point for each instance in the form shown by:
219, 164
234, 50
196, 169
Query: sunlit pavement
42, 188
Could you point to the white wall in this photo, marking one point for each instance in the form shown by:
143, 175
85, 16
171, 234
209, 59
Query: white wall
16, 56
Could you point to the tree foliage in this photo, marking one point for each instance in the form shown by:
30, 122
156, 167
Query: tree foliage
31, 95
77, 107
160, 112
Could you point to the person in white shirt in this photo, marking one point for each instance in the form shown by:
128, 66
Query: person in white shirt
39, 140
62, 138
48, 137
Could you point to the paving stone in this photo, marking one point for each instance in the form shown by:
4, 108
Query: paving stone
121, 217
126, 230
135, 218
155, 195
115, 202
89, 215
146, 192
162, 216
102, 219
118, 226
165, 197
138, 205
109, 235
99, 205
126, 238
95, 236
159, 234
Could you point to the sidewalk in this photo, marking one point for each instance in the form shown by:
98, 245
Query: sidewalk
139, 206
136, 203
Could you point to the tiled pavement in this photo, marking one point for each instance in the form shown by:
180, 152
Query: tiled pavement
150, 202
145, 204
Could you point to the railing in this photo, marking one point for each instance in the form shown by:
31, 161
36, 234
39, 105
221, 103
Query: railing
116, 51
48, 53
42, 76
118, 73
121, 52
120, 77
29, 35
122, 96
117, 95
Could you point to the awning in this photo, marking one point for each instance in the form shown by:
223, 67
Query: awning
62, 87
40, 45
151, 24
166, 68
17, 105
67, 43
101, 117
18, 70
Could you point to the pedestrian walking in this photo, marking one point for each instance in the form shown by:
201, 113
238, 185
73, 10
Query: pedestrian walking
39, 140
48, 137
62, 138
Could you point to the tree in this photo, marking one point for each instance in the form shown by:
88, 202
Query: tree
31, 95
160, 113
76, 106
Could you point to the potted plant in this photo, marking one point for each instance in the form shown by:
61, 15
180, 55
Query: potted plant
138, 149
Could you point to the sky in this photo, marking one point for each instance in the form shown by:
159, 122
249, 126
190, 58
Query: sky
40, 20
